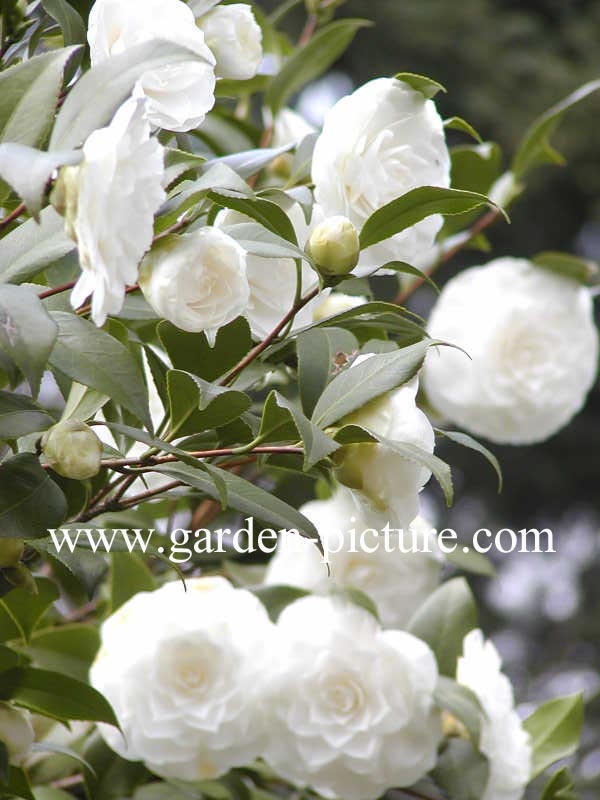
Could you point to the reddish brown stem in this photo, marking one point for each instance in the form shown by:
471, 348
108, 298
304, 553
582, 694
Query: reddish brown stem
309, 29
87, 308
65, 287
262, 346
151, 461
5, 221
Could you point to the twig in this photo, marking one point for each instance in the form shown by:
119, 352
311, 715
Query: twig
66, 783
481, 225
87, 308
262, 346
65, 287
151, 461
5, 221
309, 29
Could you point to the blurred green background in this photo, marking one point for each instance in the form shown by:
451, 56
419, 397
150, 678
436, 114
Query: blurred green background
504, 62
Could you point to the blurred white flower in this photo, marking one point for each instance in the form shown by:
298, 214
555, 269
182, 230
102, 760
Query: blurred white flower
376, 145
273, 281
388, 480
184, 674
290, 128
235, 39
110, 200
178, 95
336, 303
398, 582
533, 346
197, 280
351, 706
503, 741
16, 733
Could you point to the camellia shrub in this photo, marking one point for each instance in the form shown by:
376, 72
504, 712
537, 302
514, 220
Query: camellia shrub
196, 326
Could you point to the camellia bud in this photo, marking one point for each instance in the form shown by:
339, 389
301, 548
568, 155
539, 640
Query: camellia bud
11, 552
64, 197
16, 733
334, 246
73, 450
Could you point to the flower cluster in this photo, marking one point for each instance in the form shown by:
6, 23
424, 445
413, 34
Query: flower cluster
327, 697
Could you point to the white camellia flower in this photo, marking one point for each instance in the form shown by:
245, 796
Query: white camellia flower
16, 733
184, 671
197, 280
351, 709
503, 740
110, 201
397, 581
273, 281
290, 128
533, 346
376, 145
178, 95
235, 39
387, 479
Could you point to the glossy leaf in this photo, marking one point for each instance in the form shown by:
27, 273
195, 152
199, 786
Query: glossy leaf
462, 703
72, 26
30, 501
444, 620
27, 332
94, 358
317, 351
420, 83
472, 444
21, 611
354, 387
412, 207
535, 148
31, 247
129, 576
555, 731
580, 270
461, 771
19, 416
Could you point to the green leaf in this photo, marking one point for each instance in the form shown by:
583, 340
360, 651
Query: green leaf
388, 316
31, 247
83, 403
461, 771
110, 84
246, 497
462, 703
312, 60
475, 168
535, 148
472, 444
555, 731
317, 351
113, 778
62, 697
469, 560
278, 413
27, 332
20, 416
197, 405
28, 171
355, 386
191, 352
17, 785
561, 786
258, 241
21, 611
58, 749
358, 598
94, 358
69, 649
444, 620
406, 269
129, 576
29, 93
267, 213
276, 598
459, 124
30, 502
580, 270
72, 26
412, 207
440, 470
4, 766
250, 162
427, 86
